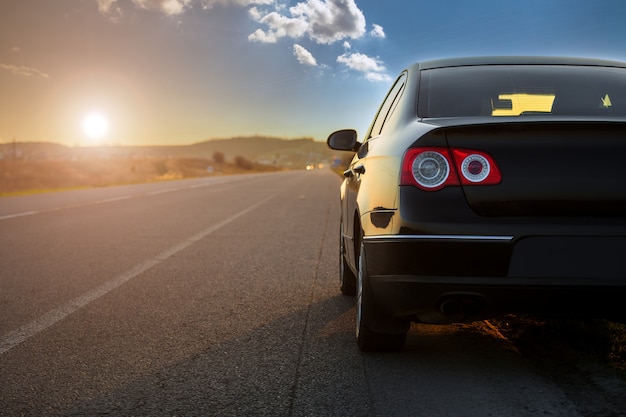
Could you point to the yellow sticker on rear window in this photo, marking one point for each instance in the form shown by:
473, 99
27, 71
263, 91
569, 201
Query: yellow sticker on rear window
519, 103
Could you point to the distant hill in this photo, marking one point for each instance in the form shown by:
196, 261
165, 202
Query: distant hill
33, 150
294, 153
40, 166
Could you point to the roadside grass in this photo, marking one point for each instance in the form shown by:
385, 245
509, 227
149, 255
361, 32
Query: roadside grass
30, 191
602, 340
37, 177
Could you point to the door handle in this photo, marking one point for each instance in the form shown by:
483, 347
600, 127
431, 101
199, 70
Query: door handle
359, 169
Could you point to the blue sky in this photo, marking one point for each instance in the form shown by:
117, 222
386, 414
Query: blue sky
183, 71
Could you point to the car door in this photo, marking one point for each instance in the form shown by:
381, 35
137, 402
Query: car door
357, 172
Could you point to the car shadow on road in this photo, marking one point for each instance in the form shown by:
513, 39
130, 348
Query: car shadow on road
263, 372
307, 363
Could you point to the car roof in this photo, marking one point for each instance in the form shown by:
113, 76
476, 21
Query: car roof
515, 60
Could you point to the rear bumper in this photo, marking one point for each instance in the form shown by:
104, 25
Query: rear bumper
440, 279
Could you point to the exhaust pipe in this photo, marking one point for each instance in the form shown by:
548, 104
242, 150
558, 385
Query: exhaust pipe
457, 308
452, 307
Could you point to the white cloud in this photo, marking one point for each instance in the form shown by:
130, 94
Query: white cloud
109, 9
360, 62
255, 14
168, 7
245, 3
260, 36
324, 21
377, 31
23, 71
331, 20
377, 77
280, 27
304, 56
346, 45
372, 68
104, 6
173, 7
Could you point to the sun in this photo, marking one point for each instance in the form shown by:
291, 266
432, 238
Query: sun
95, 126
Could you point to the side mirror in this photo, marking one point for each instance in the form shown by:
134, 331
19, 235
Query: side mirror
343, 140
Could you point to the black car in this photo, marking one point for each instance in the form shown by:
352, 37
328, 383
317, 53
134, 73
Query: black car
487, 186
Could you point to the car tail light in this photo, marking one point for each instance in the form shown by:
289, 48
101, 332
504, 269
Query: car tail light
476, 167
428, 168
432, 169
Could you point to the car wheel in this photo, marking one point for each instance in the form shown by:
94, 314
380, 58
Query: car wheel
368, 314
347, 280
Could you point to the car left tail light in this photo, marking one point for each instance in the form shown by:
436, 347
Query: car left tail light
432, 169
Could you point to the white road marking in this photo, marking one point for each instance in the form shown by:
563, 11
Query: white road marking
14, 338
164, 191
214, 182
112, 199
12, 216
72, 206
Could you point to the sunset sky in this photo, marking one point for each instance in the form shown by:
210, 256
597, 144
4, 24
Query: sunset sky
136, 72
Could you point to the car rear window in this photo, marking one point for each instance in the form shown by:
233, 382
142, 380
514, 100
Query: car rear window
518, 90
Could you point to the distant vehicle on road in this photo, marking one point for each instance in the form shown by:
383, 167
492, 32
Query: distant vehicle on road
487, 186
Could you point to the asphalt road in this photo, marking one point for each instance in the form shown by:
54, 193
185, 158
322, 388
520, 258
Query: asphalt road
219, 297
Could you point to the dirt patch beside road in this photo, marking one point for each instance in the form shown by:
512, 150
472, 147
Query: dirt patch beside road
41, 175
585, 358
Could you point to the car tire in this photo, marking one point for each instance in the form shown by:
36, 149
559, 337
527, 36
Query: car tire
347, 280
368, 314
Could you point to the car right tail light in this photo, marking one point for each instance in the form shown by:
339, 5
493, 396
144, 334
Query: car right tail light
476, 167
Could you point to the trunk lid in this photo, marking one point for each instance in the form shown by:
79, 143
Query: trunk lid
549, 168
